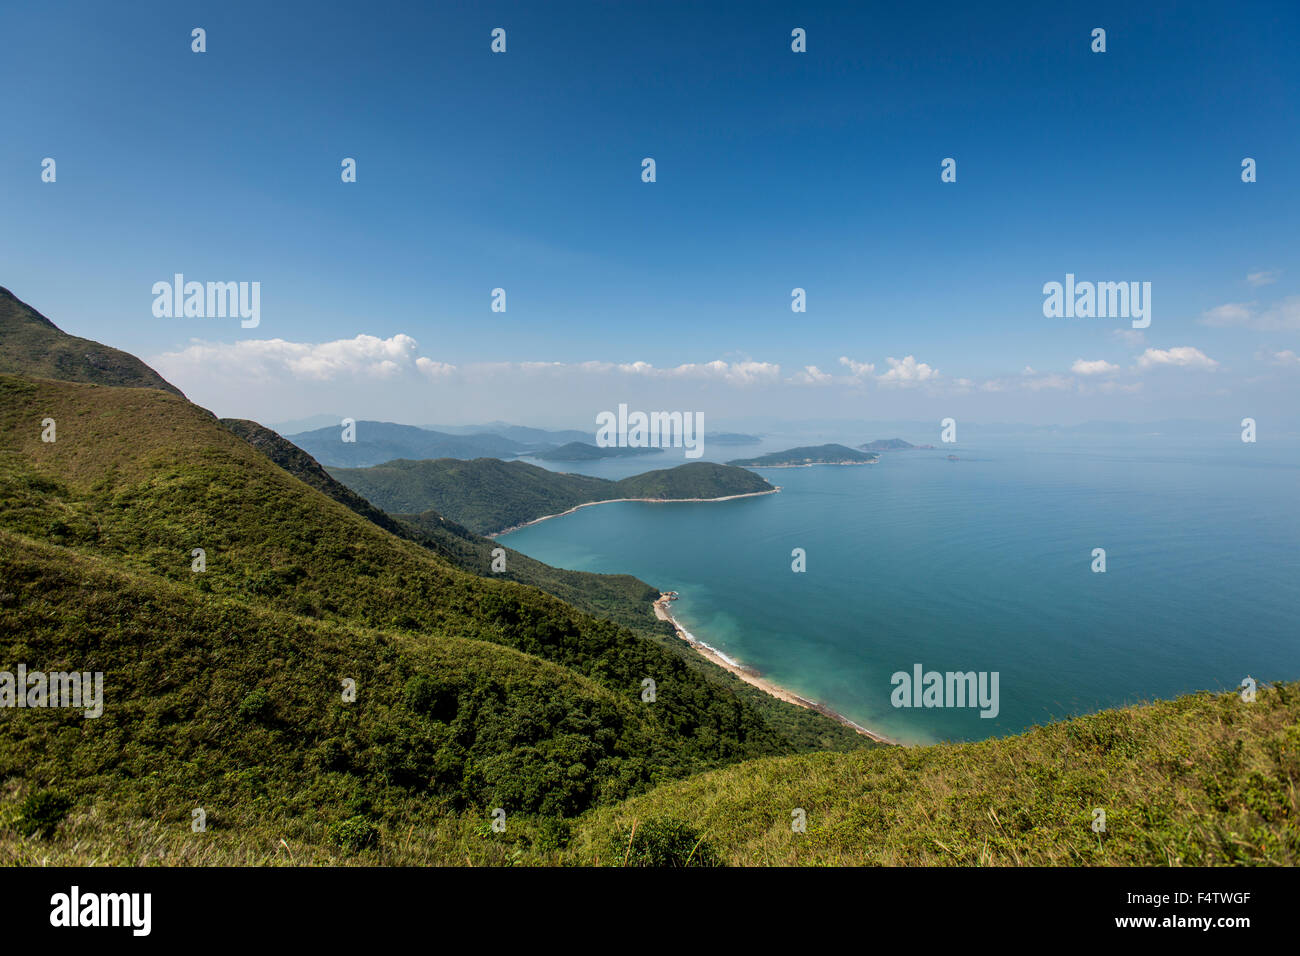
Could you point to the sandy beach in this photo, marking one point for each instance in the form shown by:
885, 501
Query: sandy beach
607, 501
752, 677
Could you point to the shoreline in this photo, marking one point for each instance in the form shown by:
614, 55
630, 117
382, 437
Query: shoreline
752, 677
608, 501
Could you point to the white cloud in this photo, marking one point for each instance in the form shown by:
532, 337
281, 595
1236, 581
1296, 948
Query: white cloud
1131, 337
906, 372
1183, 356
1285, 357
859, 369
1263, 277
1279, 316
1093, 367
811, 375
365, 356
433, 369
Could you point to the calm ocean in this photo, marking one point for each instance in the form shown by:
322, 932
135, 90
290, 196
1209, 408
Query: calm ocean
980, 564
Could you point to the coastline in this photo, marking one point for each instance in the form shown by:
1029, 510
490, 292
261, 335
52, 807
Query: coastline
752, 677
607, 501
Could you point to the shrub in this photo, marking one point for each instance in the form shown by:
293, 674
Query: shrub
256, 706
41, 812
662, 842
353, 834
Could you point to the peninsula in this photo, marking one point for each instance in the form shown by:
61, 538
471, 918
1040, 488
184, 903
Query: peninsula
490, 496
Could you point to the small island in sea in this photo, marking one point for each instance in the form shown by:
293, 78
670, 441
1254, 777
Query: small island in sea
892, 444
809, 455
581, 451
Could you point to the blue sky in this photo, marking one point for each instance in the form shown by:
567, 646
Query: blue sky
775, 170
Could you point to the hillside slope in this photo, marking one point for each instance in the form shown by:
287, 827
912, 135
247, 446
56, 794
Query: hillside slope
143, 478
1206, 779
620, 598
217, 703
30, 344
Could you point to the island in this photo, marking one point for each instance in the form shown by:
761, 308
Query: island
892, 444
808, 455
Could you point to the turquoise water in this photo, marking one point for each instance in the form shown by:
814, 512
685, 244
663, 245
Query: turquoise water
981, 564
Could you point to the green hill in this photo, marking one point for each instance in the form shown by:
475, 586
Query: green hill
30, 344
138, 478
142, 478
487, 495
808, 455
620, 598
1203, 780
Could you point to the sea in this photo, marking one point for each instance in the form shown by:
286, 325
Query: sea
987, 564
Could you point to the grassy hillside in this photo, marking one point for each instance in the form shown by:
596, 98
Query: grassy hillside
488, 496
625, 600
142, 478
1202, 780
218, 703
30, 344
620, 598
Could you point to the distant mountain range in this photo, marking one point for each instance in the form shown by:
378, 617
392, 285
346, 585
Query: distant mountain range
487, 495
808, 455
582, 451
536, 437
378, 442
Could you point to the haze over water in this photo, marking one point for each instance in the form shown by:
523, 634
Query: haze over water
980, 564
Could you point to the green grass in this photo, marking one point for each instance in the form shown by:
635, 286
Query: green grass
1202, 780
